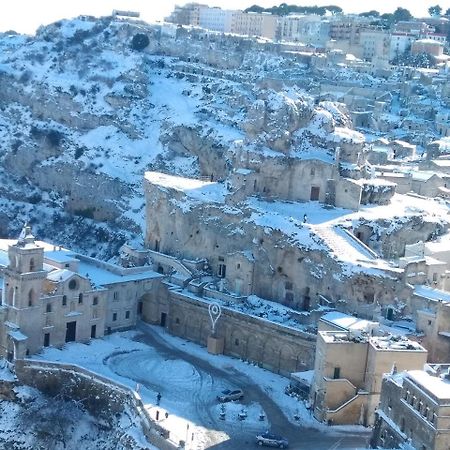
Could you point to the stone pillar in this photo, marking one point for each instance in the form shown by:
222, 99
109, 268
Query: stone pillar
215, 345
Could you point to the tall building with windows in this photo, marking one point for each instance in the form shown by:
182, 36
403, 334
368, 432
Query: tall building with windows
415, 409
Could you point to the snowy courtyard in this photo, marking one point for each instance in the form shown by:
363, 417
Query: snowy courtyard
189, 379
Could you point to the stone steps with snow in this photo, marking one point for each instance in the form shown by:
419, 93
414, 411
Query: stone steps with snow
343, 246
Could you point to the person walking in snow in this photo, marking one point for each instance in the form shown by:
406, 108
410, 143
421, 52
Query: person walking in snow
158, 398
305, 218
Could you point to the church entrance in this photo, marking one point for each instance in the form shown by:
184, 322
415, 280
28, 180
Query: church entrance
71, 329
315, 191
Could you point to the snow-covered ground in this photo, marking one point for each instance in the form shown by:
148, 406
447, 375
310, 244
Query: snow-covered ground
189, 379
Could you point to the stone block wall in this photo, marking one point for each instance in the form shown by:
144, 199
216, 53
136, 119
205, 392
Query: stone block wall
275, 347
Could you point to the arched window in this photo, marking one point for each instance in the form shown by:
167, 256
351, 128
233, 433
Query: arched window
32, 265
80, 298
72, 284
30, 297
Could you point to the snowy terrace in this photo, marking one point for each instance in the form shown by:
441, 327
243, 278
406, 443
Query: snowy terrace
195, 191
318, 226
258, 308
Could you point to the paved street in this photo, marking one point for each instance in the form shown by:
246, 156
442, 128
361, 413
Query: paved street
200, 406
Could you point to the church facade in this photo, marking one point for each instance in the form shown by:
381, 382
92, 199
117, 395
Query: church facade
52, 296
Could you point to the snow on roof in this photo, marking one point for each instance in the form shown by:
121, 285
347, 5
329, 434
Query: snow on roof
60, 256
398, 343
101, 276
437, 386
441, 162
428, 41
17, 335
431, 294
373, 182
422, 175
60, 275
306, 376
348, 322
439, 245
242, 171
348, 135
195, 189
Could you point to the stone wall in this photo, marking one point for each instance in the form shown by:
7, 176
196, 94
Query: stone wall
101, 396
275, 347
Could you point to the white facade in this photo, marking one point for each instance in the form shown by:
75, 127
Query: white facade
400, 44
310, 29
216, 19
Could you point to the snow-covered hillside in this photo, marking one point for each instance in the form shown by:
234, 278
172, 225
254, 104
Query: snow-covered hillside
83, 115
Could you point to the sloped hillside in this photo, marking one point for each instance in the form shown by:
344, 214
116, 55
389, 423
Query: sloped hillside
88, 105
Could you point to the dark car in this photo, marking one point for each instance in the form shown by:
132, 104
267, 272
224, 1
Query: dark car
271, 440
227, 395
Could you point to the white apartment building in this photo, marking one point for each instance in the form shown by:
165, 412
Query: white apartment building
309, 29
217, 19
255, 24
374, 43
400, 44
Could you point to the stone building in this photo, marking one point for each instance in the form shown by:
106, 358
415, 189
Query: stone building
277, 346
188, 14
348, 370
430, 46
52, 296
414, 409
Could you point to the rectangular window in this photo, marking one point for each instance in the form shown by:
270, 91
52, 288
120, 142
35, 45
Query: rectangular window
48, 308
337, 373
64, 300
95, 301
46, 339
116, 295
127, 314
114, 317
222, 270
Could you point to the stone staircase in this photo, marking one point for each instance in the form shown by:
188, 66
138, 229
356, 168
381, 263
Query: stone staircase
345, 246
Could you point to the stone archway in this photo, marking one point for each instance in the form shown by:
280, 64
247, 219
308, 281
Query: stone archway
288, 359
238, 344
271, 356
254, 349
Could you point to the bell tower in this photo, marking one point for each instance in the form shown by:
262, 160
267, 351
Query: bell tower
24, 276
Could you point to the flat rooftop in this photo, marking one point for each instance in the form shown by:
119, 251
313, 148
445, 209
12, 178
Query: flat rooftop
437, 386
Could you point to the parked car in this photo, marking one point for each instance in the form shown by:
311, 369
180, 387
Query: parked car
271, 440
228, 395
